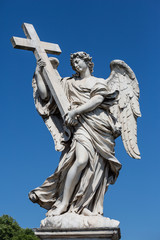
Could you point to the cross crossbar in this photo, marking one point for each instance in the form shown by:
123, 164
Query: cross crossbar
40, 50
28, 44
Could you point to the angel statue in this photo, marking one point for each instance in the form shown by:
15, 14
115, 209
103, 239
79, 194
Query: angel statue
100, 111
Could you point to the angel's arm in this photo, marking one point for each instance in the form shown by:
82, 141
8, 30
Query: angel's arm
42, 89
90, 105
93, 103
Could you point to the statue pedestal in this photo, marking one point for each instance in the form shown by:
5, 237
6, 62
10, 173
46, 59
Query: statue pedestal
76, 234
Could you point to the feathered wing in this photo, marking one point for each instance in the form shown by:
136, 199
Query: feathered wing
51, 116
127, 109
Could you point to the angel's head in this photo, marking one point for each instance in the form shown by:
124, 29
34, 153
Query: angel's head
81, 60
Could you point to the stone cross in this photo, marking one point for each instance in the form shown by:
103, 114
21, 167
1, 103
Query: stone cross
40, 50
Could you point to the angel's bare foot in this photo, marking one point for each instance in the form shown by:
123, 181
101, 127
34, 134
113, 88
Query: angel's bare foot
58, 211
87, 212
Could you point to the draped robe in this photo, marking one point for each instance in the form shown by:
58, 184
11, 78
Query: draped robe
96, 131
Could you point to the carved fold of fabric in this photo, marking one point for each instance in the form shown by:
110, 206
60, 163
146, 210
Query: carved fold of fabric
52, 188
95, 132
103, 90
44, 107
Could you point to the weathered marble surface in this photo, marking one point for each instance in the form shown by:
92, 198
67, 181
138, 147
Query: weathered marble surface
84, 115
101, 110
76, 221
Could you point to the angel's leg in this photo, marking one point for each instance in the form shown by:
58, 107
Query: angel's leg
72, 178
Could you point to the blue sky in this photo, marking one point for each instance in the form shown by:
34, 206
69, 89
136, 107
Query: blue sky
107, 30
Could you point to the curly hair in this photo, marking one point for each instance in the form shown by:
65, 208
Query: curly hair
84, 56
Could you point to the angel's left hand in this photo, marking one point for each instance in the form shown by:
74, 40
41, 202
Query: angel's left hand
70, 118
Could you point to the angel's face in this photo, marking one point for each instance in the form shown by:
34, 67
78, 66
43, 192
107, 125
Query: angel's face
79, 65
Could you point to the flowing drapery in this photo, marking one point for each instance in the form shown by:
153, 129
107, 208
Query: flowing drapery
96, 132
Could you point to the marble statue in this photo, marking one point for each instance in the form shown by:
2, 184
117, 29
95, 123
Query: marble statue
98, 111
101, 110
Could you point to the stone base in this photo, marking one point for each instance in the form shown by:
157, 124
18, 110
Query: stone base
76, 234
78, 221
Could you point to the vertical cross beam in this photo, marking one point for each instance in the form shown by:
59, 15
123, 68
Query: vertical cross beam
40, 50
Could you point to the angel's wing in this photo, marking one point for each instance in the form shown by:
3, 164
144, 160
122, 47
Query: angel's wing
126, 111
51, 116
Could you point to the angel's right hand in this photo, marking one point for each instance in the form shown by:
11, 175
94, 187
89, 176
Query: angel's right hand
70, 118
40, 65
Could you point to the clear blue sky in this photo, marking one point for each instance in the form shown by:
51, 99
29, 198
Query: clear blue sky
107, 30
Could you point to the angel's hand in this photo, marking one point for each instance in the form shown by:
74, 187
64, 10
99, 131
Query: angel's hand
40, 65
70, 118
